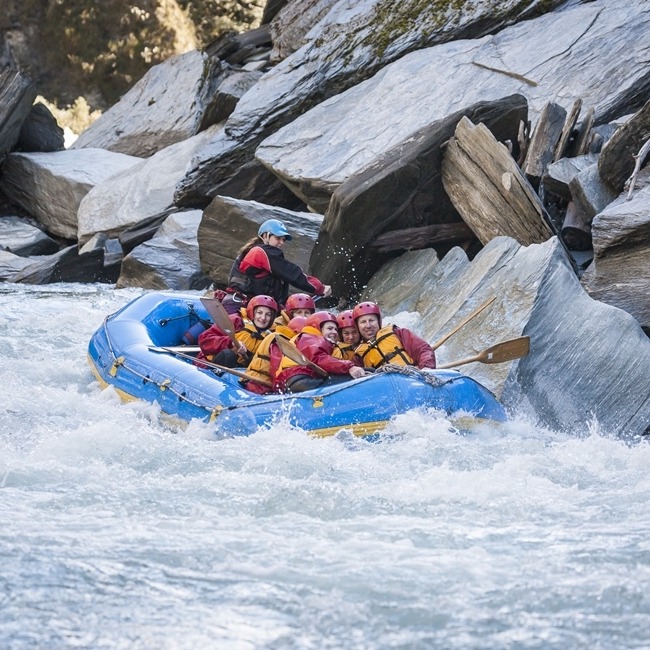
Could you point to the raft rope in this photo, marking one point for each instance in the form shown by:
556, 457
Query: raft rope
390, 368
413, 373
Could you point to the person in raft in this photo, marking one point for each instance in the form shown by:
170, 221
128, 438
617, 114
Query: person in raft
297, 304
217, 347
349, 336
390, 344
268, 355
260, 268
316, 341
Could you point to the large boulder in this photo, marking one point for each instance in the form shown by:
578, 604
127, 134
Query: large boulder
170, 260
547, 58
51, 186
19, 237
172, 102
400, 189
620, 273
17, 94
349, 44
588, 361
67, 265
229, 223
140, 193
40, 131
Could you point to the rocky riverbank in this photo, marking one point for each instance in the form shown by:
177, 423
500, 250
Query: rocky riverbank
426, 158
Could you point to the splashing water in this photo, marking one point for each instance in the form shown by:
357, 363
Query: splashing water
121, 531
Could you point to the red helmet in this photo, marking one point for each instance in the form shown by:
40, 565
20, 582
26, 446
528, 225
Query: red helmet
365, 308
296, 324
299, 301
318, 318
345, 319
261, 301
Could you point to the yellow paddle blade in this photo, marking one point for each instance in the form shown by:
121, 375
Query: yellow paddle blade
499, 353
291, 351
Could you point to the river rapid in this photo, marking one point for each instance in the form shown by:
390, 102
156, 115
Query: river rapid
118, 531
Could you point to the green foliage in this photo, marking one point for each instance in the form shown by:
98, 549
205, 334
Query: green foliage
98, 49
214, 17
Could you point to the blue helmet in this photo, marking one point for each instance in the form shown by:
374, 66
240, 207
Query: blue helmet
275, 227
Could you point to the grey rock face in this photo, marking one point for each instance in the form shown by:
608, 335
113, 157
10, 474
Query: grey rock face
620, 274
51, 186
20, 238
169, 104
170, 260
548, 58
588, 361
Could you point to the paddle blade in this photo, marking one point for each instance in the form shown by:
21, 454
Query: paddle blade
219, 316
506, 351
499, 353
291, 351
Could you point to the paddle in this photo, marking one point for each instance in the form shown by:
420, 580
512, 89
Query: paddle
220, 317
291, 351
506, 351
232, 371
476, 312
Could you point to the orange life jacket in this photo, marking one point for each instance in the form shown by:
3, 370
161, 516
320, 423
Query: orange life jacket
385, 348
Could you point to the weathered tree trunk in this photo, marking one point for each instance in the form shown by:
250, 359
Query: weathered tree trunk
617, 158
408, 239
576, 230
583, 139
489, 190
567, 131
544, 142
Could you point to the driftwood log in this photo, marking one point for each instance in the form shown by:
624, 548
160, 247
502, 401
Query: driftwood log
408, 239
544, 142
567, 131
576, 230
583, 138
617, 159
489, 190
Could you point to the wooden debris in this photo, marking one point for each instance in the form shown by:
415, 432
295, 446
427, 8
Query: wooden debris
567, 131
544, 142
576, 231
640, 157
617, 159
489, 190
408, 239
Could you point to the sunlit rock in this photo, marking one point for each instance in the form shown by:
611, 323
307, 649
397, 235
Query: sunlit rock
172, 102
141, 192
51, 186
350, 43
550, 58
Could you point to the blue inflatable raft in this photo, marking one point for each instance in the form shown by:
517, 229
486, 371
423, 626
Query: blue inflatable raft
121, 355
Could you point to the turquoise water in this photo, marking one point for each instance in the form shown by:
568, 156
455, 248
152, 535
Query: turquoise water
121, 531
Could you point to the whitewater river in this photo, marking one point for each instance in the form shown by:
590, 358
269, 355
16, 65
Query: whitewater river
117, 531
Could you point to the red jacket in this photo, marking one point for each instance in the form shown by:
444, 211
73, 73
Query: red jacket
264, 270
418, 349
319, 351
214, 339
